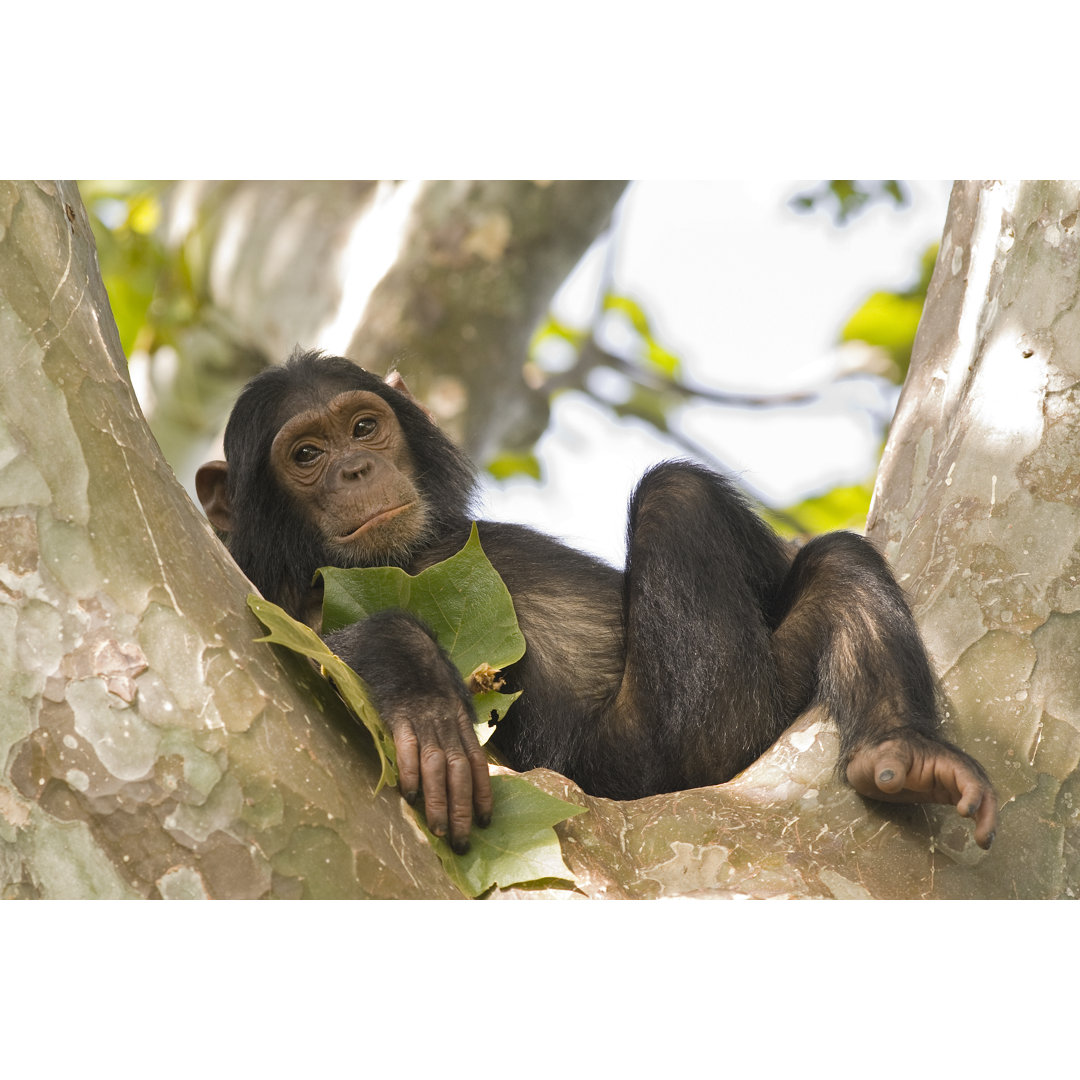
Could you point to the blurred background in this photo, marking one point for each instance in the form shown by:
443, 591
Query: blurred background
569, 334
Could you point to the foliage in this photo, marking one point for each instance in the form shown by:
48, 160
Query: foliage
465, 603
889, 320
462, 600
845, 199
150, 287
651, 353
840, 508
510, 464
520, 845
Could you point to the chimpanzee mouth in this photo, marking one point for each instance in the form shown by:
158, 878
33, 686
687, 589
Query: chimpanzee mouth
373, 522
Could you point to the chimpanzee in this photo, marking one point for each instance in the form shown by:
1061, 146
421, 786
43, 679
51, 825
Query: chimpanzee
677, 673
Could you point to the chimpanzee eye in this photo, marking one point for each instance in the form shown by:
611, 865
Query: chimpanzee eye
364, 427
306, 454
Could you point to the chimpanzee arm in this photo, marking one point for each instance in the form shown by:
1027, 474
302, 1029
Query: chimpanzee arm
421, 697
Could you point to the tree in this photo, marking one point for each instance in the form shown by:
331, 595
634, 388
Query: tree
151, 747
239, 272
978, 509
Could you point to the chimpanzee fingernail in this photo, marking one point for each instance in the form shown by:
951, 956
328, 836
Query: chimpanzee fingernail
886, 775
410, 797
990, 841
484, 820
460, 846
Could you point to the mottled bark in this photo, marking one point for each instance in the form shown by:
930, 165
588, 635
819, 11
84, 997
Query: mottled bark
149, 747
462, 273
478, 267
978, 508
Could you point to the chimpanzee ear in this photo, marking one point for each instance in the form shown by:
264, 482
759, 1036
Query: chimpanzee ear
396, 382
210, 487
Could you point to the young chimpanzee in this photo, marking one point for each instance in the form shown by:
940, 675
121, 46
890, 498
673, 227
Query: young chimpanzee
678, 673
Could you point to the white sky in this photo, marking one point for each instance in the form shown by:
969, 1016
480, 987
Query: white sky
751, 296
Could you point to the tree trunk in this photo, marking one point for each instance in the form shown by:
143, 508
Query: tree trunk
479, 264
978, 509
446, 280
150, 747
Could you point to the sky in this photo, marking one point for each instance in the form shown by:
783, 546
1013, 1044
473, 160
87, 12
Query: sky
752, 297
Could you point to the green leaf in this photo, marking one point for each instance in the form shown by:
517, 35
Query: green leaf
509, 464
895, 191
888, 320
656, 355
519, 845
841, 508
554, 328
490, 708
462, 600
286, 631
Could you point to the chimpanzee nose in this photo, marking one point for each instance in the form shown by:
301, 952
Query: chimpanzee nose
355, 467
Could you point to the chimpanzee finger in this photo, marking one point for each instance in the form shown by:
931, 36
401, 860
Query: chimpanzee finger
408, 761
982, 808
969, 795
986, 821
433, 779
459, 789
483, 800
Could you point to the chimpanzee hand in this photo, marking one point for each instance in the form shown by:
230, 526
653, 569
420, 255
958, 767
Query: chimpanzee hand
910, 766
421, 698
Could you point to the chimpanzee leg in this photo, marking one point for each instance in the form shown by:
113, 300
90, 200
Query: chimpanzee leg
727, 641
700, 680
846, 640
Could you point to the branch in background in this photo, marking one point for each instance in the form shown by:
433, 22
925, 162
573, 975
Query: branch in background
591, 356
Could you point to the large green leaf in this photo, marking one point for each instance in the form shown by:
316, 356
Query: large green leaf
519, 845
462, 600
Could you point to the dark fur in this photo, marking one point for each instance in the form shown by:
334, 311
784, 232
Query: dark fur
678, 673
272, 542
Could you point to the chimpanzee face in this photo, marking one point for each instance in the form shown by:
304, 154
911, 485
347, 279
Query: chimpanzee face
348, 468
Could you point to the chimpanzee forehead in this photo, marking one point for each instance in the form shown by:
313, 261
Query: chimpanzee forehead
316, 396
316, 411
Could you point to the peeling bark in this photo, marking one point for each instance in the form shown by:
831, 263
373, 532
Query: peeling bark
149, 747
978, 509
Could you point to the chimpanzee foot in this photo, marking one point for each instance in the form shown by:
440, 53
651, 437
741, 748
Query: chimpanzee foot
912, 767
